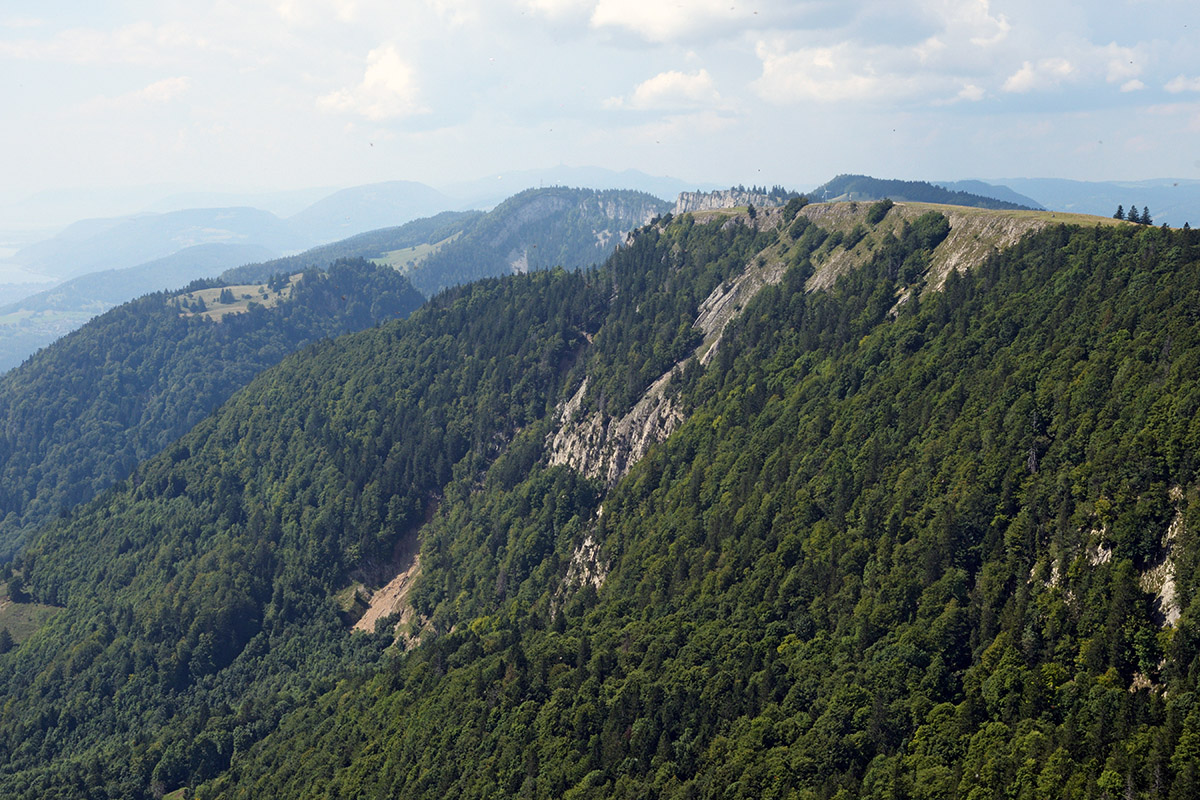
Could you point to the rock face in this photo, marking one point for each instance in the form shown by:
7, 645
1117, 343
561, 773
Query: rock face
974, 234
725, 198
604, 447
1159, 579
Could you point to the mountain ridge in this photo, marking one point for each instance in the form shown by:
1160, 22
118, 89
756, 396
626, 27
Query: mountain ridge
889, 547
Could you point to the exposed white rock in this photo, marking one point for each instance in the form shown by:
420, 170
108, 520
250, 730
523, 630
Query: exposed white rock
602, 447
1159, 579
1099, 553
518, 261
586, 566
726, 198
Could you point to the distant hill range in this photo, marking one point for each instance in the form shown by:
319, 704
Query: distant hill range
1171, 201
999, 192
535, 229
36, 321
363, 208
102, 244
492, 190
866, 188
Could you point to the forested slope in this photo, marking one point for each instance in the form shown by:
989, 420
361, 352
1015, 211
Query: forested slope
78, 415
943, 548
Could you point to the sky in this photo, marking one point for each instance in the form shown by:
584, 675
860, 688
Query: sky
265, 95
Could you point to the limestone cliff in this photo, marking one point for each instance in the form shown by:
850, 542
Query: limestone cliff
724, 198
605, 447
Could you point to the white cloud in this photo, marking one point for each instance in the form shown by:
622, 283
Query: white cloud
1181, 83
557, 9
971, 92
1047, 73
22, 22
1123, 64
138, 43
819, 73
457, 12
162, 91
312, 12
1132, 86
971, 21
388, 89
668, 21
672, 91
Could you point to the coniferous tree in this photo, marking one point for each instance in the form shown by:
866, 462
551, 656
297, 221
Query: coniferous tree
1146, 218
1133, 215
6, 641
1120, 212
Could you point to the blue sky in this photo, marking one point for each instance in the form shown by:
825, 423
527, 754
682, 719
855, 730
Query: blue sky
282, 94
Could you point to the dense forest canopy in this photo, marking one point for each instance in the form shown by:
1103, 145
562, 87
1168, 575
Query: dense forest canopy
81, 413
932, 549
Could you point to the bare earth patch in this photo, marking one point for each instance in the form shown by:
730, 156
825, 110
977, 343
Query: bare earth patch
392, 597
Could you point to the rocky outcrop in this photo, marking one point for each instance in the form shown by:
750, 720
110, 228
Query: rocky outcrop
725, 198
587, 566
975, 233
1159, 579
604, 447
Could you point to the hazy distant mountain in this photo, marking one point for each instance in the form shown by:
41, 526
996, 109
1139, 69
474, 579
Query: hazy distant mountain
364, 208
1172, 201
370, 244
94, 245
489, 191
281, 204
535, 229
864, 187
33, 322
983, 189
105, 289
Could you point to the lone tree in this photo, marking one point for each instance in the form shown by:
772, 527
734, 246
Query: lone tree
1146, 220
1120, 212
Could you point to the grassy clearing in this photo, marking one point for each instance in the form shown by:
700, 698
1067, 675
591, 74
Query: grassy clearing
22, 619
243, 295
406, 259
